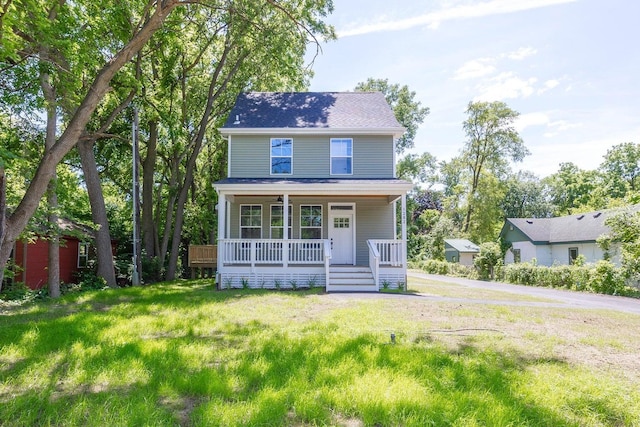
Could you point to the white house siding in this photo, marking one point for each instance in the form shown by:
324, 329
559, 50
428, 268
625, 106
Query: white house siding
466, 259
528, 251
591, 251
372, 156
374, 218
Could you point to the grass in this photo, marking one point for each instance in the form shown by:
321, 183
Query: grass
186, 354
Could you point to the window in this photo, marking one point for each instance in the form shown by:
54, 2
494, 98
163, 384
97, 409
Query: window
281, 156
277, 221
83, 255
250, 221
341, 156
573, 254
311, 222
516, 256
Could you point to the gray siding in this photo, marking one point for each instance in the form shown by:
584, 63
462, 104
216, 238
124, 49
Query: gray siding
372, 156
374, 218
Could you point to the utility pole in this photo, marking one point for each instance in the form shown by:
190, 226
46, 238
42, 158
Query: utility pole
135, 276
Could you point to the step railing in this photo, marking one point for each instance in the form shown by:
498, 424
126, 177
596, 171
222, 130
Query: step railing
392, 252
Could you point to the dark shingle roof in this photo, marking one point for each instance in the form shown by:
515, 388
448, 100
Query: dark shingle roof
584, 227
340, 110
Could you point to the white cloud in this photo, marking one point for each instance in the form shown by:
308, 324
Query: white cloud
540, 118
434, 19
548, 85
475, 68
531, 119
506, 86
521, 53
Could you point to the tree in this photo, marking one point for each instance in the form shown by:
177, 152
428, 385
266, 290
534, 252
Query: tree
525, 197
572, 189
25, 29
407, 110
87, 58
621, 169
492, 141
625, 232
420, 169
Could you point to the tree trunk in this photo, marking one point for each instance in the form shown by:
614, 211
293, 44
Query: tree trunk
47, 166
53, 232
148, 173
198, 139
98, 213
3, 213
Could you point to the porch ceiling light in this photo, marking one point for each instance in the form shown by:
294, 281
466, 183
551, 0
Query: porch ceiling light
279, 200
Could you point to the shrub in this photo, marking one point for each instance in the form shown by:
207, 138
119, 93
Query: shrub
489, 257
605, 278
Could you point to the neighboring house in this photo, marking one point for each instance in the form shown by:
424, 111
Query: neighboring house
324, 165
31, 257
557, 240
462, 251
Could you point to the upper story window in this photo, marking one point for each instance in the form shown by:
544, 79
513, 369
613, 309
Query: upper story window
281, 156
341, 156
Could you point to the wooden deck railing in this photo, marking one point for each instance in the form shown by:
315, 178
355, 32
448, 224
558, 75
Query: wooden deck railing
205, 256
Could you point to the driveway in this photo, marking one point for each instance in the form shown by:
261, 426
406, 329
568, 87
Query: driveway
553, 297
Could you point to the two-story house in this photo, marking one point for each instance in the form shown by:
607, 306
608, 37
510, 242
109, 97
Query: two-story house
311, 193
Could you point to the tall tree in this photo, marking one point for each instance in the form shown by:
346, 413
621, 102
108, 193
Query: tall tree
525, 197
492, 141
572, 189
408, 111
621, 169
92, 55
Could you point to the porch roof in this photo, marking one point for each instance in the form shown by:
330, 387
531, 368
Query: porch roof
391, 187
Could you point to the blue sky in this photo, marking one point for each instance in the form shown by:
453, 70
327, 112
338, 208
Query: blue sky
570, 67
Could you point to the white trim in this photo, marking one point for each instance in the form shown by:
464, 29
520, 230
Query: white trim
331, 156
353, 225
271, 156
85, 256
240, 220
229, 156
395, 132
364, 188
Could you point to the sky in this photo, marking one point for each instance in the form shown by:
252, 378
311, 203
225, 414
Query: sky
571, 68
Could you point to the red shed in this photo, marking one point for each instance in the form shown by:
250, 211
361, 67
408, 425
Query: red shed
31, 257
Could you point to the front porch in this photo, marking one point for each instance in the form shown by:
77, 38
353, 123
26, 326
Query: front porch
306, 263
339, 234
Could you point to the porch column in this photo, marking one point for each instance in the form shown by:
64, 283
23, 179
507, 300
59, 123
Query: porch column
404, 230
222, 221
285, 230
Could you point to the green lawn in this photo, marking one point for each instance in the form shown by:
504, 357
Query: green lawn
186, 354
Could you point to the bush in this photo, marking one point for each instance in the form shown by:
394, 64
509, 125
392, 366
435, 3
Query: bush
445, 268
605, 278
489, 257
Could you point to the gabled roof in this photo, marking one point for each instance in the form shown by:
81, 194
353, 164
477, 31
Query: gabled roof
584, 227
320, 111
463, 245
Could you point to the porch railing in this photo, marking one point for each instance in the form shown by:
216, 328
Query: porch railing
391, 252
271, 251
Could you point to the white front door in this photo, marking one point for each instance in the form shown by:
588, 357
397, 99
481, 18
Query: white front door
342, 232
